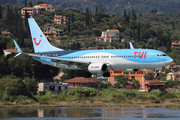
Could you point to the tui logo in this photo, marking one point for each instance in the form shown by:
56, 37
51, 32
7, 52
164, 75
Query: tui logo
38, 42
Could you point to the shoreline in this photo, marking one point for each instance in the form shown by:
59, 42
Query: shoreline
154, 105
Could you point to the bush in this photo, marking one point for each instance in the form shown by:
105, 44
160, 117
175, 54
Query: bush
151, 98
141, 96
43, 100
162, 93
155, 92
5, 97
169, 96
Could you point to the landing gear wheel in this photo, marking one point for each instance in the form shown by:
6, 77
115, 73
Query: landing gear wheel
156, 74
106, 74
87, 74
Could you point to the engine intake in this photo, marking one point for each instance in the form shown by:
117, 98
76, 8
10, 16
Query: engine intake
97, 68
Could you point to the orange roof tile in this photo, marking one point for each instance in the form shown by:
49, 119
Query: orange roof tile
82, 80
44, 5
154, 82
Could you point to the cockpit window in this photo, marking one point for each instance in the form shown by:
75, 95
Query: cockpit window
160, 55
164, 54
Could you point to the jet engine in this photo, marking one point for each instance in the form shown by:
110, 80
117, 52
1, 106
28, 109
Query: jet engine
97, 68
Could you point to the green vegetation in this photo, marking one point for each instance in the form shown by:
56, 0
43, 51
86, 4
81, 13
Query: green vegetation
109, 6
153, 31
16, 92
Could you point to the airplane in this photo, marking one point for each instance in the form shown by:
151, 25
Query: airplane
93, 61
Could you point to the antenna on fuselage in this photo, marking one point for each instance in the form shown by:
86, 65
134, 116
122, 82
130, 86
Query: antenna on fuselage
131, 46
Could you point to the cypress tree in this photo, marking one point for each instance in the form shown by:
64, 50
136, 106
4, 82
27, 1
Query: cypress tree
90, 20
133, 14
15, 22
138, 31
173, 25
30, 4
26, 18
69, 25
96, 10
9, 18
25, 4
0, 12
124, 13
134, 34
72, 18
20, 33
87, 17
160, 37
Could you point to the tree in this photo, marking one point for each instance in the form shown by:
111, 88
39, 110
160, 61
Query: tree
31, 85
136, 84
30, 4
124, 13
138, 32
87, 17
25, 5
69, 25
16, 88
96, 10
40, 2
173, 25
0, 12
122, 81
133, 15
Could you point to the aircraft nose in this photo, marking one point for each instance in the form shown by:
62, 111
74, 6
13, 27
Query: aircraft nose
170, 60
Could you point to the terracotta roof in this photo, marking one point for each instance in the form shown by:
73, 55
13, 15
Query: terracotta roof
82, 80
11, 50
44, 5
154, 82
5, 33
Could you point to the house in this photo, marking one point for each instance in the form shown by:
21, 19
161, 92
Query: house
33, 12
140, 75
6, 33
9, 51
149, 85
175, 44
60, 20
45, 6
173, 76
110, 36
83, 82
55, 88
173, 67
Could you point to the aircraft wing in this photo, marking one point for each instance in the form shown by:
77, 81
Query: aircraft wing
60, 60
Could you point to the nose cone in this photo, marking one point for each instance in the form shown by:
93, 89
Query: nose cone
169, 60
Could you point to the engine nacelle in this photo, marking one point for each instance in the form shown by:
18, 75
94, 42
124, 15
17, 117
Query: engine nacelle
97, 68
130, 70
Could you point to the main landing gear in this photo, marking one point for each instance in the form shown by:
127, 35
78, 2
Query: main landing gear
106, 74
87, 74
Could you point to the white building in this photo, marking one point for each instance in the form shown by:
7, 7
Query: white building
55, 88
45, 6
110, 36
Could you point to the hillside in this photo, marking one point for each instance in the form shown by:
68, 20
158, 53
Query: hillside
110, 6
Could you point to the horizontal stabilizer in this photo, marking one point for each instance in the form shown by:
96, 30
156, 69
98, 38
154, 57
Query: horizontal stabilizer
17, 47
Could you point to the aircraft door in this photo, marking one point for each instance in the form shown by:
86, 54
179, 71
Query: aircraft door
149, 56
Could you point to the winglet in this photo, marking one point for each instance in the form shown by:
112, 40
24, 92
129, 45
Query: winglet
131, 46
17, 47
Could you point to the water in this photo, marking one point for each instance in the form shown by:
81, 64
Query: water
89, 113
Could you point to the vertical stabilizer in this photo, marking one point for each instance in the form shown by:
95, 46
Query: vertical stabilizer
131, 46
40, 43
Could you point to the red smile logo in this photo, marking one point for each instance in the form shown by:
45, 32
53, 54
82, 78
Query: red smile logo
36, 42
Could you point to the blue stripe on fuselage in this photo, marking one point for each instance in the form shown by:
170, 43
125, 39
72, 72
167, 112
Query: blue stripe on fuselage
143, 55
